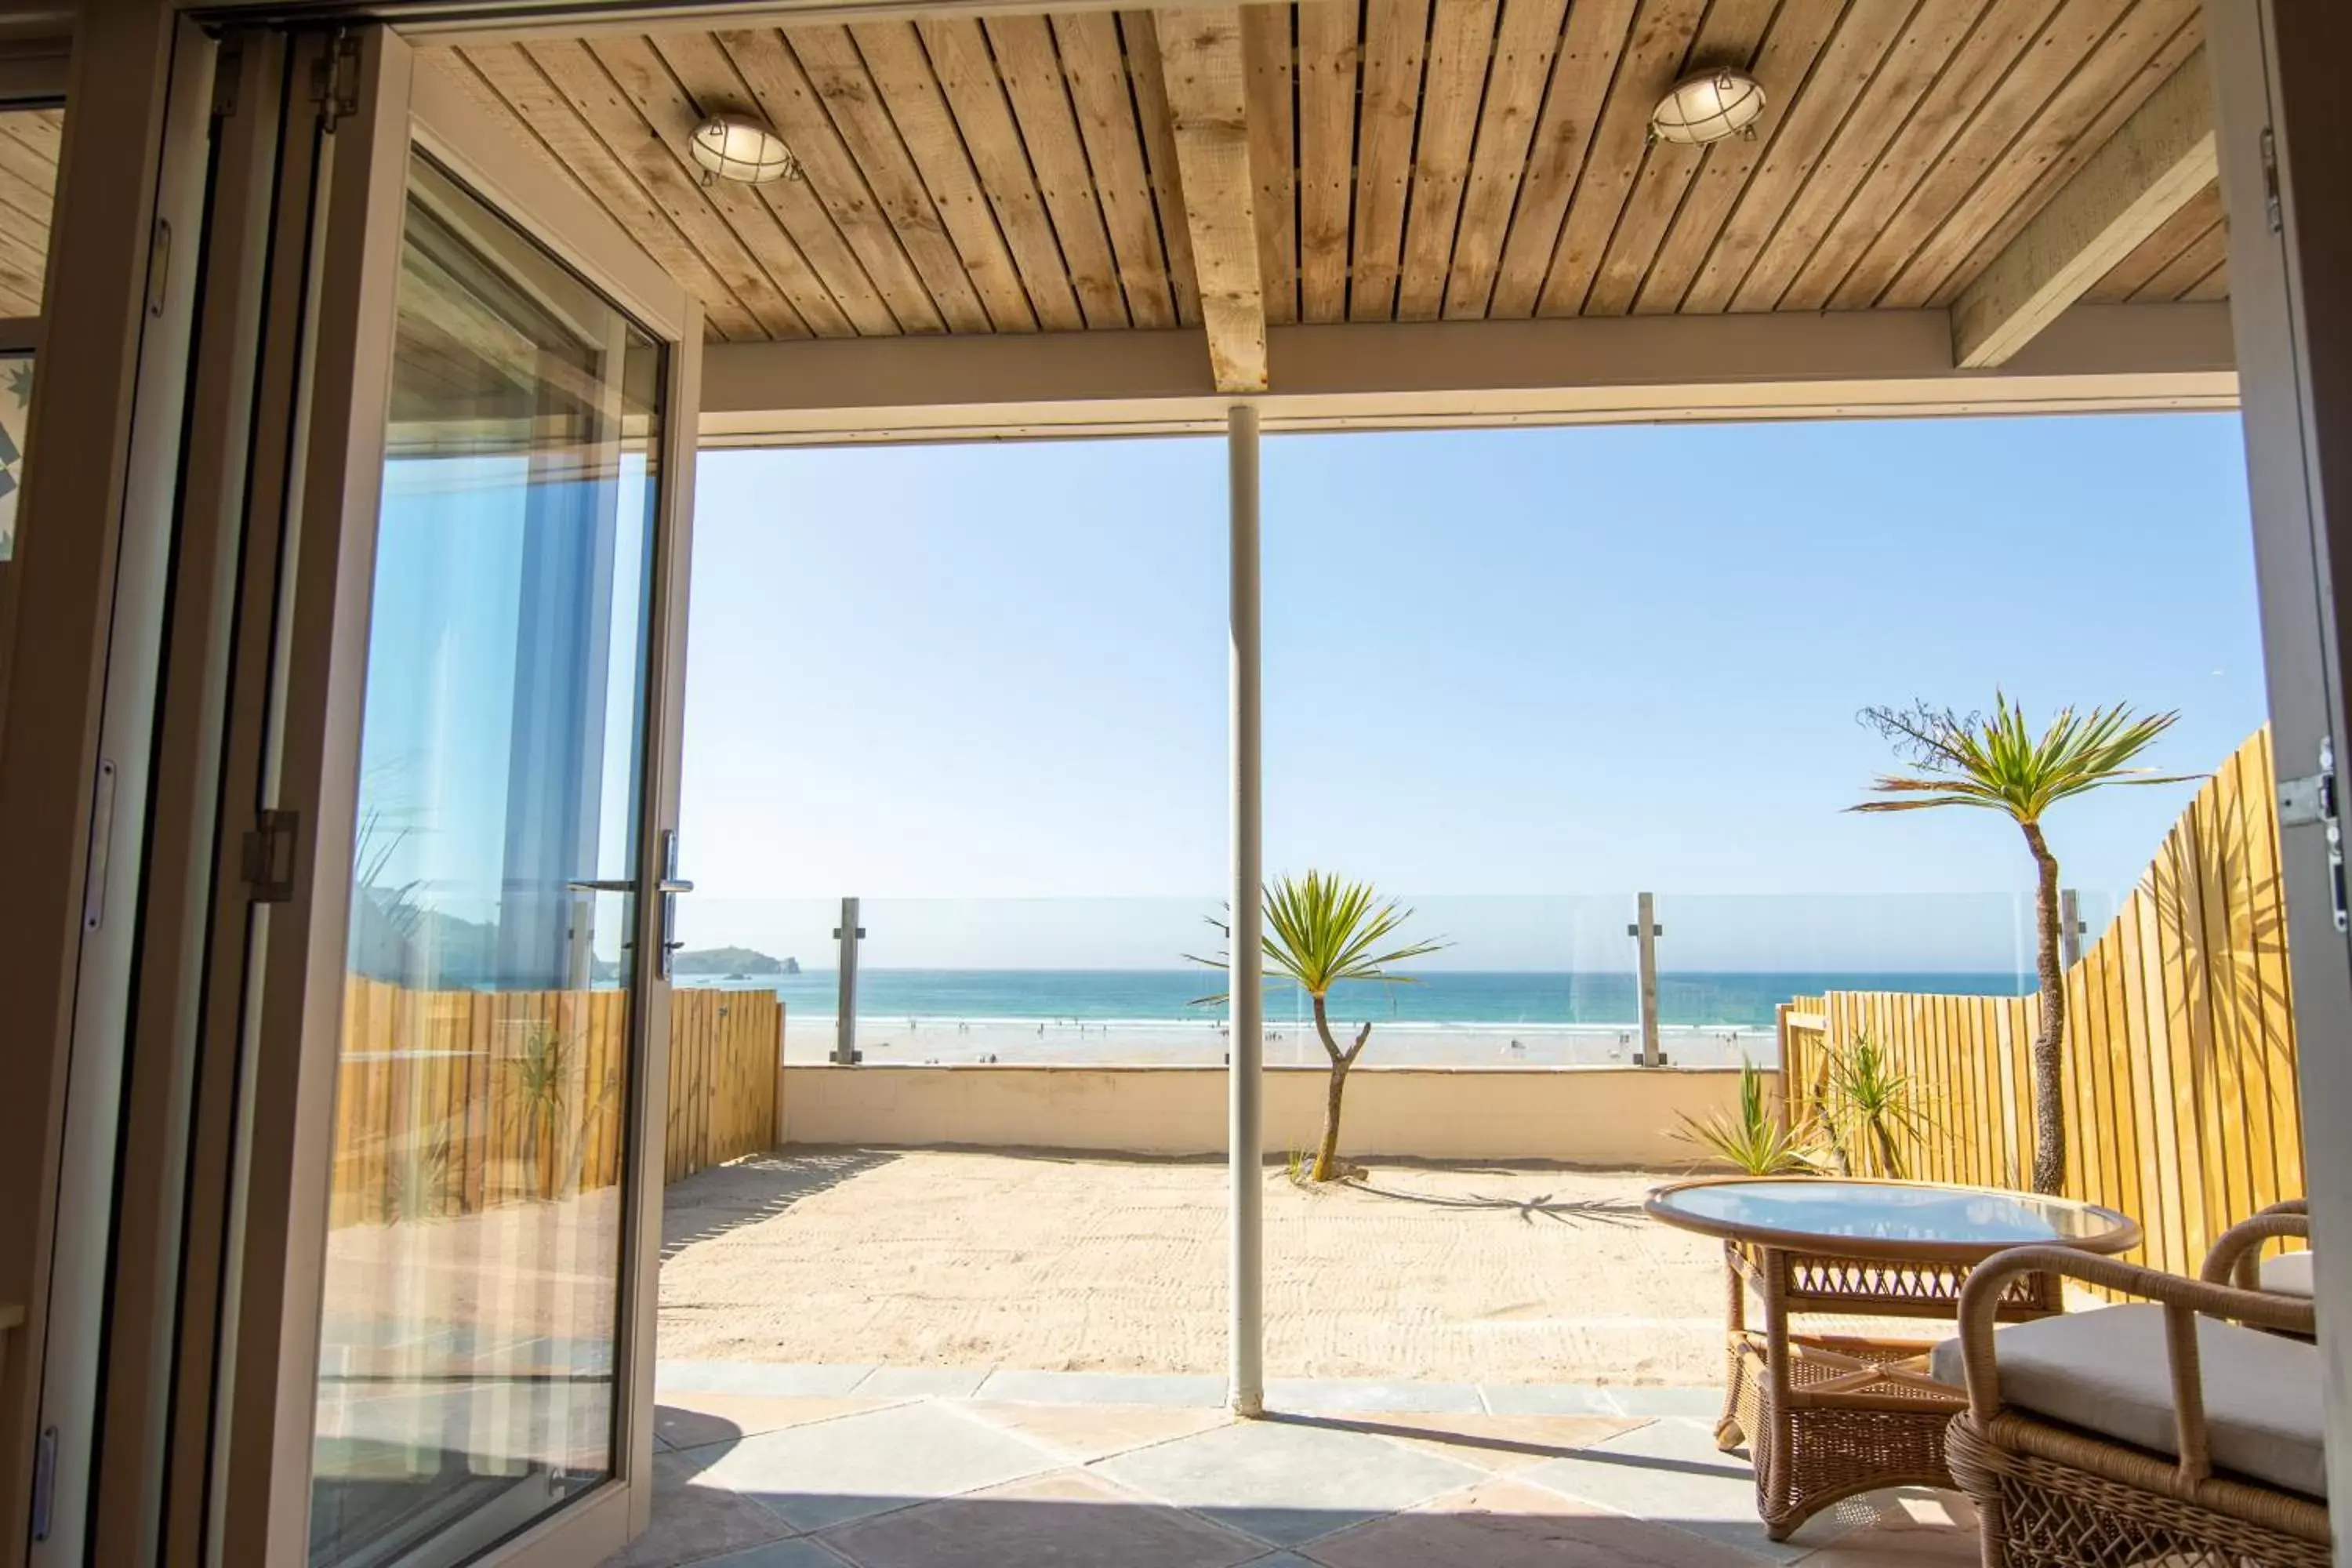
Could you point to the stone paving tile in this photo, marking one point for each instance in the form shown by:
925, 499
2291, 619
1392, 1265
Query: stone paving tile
835, 1471
765, 1380
1670, 1472
1560, 1399
792, 1551
1498, 1443
689, 1420
1067, 1517
1503, 1522
1349, 1395
924, 1382
1286, 1481
1080, 1433
693, 1520
1912, 1528
1105, 1388
1694, 1403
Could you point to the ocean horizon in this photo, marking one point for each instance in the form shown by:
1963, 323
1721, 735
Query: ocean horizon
1533, 998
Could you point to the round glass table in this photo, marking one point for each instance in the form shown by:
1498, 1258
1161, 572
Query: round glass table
1827, 1415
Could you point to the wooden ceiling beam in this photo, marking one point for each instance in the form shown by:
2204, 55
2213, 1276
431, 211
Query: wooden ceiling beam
2154, 166
1201, 56
1842, 364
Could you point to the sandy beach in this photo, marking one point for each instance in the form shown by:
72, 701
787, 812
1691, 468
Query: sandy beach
1060, 1263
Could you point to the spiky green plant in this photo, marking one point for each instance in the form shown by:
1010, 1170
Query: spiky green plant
1997, 763
1322, 930
416, 1178
1753, 1142
1873, 1103
544, 1069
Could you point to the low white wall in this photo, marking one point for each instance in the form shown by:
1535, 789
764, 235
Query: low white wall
1595, 1116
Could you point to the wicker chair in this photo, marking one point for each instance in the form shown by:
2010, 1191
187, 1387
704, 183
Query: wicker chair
2168, 1430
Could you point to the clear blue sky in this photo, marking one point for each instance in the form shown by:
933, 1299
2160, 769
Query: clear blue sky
1563, 662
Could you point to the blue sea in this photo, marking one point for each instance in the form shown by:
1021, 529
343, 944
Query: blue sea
1448, 996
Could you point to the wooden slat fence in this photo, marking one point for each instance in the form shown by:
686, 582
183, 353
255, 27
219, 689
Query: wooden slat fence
450, 1102
2182, 1100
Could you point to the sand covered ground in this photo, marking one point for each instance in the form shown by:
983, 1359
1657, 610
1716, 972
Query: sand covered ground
1058, 1262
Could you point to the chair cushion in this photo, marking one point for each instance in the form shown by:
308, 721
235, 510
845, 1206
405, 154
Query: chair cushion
2105, 1371
2288, 1274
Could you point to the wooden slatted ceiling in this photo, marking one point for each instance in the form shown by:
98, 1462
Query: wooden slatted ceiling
1409, 160
2185, 259
29, 180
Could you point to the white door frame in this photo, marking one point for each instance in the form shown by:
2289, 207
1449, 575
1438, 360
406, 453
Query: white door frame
2287, 177
293, 1037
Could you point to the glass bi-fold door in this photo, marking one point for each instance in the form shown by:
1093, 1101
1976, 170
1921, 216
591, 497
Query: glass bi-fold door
474, 756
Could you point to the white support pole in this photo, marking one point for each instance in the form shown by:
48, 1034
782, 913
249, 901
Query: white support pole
1245, 1065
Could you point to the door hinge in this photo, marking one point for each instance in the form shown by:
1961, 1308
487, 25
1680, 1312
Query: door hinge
335, 80
269, 856
2272, 207
2311, 801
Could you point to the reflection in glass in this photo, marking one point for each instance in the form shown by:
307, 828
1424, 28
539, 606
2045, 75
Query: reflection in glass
16, 411
29, 143
467, 1342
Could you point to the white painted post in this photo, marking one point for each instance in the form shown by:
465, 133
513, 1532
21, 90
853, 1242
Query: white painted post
1245, 1065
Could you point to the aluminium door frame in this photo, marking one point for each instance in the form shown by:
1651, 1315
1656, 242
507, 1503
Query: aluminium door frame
318, 383
2286, 179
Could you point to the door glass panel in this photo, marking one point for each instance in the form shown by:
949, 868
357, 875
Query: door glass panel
29, 139
469, 1328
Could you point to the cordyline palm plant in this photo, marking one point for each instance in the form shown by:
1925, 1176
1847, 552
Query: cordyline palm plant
1753, 1140
1320, 930
1996, 763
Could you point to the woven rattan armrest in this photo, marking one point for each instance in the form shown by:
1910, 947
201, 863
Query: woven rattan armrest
2183, 1301
2236, 1258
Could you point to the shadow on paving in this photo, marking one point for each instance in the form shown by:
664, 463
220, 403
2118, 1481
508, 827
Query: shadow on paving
713, 1202
1073, 1513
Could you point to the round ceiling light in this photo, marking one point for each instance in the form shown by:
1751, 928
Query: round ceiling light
738, 147
1708, 108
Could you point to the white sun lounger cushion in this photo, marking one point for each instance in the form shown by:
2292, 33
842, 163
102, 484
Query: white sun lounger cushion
2105, 1371
2288, 1274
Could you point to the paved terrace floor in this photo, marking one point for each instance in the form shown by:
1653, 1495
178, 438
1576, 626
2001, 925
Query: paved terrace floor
1004, 1359
770, 1466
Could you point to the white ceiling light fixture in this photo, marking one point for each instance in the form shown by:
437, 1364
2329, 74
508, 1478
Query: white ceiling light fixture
738, 147
1709, 107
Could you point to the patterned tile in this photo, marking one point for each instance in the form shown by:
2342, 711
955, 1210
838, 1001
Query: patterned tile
1501, 1523
1285, 1481
1070, 1517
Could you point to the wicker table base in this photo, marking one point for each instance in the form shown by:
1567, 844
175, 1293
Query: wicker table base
1827, 1416
1856, 1419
